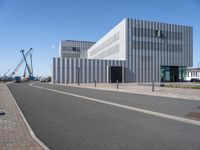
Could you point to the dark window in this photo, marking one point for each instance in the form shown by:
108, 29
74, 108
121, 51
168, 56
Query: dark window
76, 49
158, 33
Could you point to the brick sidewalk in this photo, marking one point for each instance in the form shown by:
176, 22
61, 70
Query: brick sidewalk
14, 131
183, 93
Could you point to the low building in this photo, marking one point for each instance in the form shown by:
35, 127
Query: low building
193, 74
133, 51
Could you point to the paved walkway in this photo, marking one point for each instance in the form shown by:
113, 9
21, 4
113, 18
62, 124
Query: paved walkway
14, 130
183, 93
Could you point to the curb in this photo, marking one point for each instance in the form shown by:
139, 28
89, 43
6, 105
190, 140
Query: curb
26, 123
119, 90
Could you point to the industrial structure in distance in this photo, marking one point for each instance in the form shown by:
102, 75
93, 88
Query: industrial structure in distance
28, 67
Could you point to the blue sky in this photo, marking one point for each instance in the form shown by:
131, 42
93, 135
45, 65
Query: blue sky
41, 24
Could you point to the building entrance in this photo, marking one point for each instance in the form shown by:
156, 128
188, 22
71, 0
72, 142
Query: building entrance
172, 73
115, 74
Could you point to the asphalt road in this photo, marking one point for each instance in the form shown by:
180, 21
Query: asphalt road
65, 122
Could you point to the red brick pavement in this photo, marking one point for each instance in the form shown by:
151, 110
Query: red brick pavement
15, 133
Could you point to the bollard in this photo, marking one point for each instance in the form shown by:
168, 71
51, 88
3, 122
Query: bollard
152, 85
117, 84
95, 83
78, 75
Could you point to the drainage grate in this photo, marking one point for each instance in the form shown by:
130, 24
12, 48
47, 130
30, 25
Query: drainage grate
193, 115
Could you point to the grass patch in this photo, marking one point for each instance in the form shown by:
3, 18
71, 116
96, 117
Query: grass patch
182, 86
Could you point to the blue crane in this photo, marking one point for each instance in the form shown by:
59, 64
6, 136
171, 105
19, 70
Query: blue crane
31, 64
21, 62
27, 66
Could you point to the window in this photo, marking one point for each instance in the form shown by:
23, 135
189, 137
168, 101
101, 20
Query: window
188, 74
73, 48
158, 33
76, 49
194, 74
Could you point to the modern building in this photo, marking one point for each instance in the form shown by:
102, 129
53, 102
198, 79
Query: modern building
74, 49
133, 51
193, 74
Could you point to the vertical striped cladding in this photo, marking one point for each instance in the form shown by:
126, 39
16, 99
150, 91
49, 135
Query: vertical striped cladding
146, 53
65, 70
141, 47
74, 49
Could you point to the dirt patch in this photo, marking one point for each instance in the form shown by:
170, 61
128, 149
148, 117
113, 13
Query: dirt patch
193, 115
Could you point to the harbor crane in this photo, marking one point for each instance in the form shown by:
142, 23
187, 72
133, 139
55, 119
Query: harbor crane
27, 66
30, 70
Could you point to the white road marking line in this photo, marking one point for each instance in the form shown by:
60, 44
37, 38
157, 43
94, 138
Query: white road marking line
153, 113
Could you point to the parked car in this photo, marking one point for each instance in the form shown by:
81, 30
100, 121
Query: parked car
195, 80
49, 79
17, 79
43, 79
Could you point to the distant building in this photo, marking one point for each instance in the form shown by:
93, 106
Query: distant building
133, 51
193, 74
74, 49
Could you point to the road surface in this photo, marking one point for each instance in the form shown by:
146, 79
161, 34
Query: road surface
87, 119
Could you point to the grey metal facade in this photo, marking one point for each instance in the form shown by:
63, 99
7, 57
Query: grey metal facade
74, 49
68, 70
146, 52
148, 46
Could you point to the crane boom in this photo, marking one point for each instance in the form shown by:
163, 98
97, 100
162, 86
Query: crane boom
20, 63
6, 72
31, 64
27, 66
